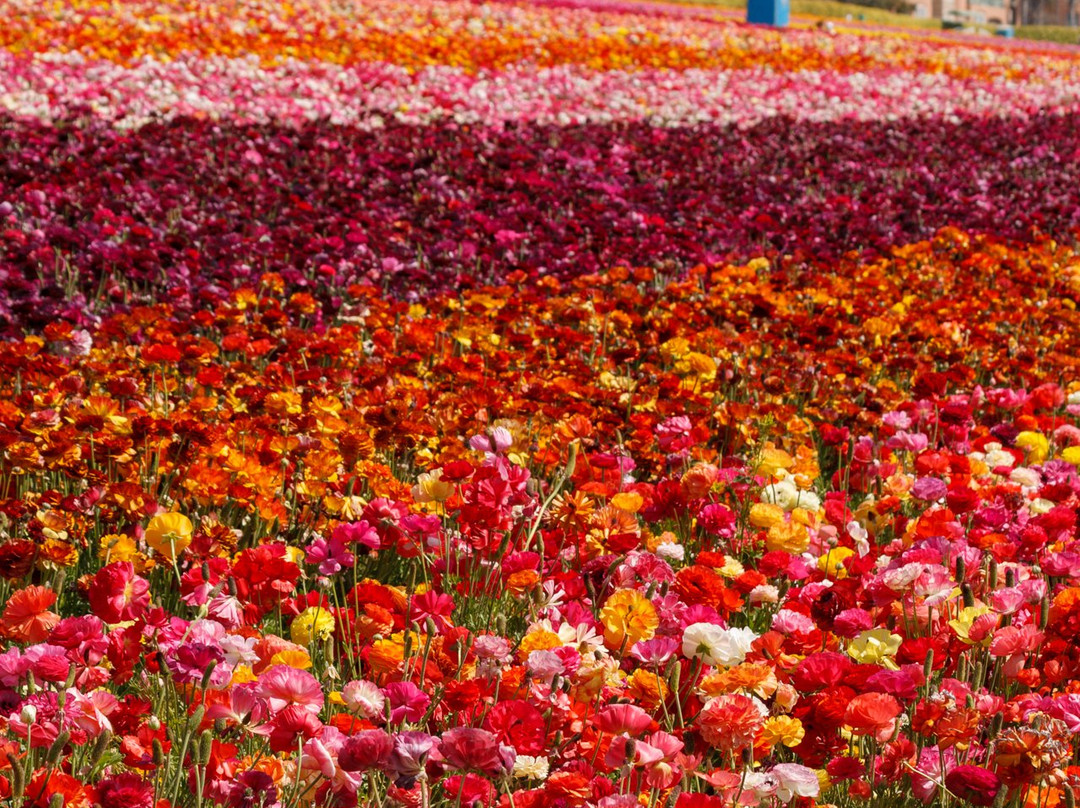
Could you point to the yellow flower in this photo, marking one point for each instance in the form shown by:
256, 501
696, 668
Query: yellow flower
117, 547
300, 660
732, 568
538, 640
782, 729
1036, 444
791, 537
966, 619
832, 563
430, 487
765, 515
241, 675
628, 617
315, 623
877, 646
772, 460
1071, 455
169, 534
629, 501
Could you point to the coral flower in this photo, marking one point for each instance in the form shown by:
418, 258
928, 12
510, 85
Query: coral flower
623, 718
731, 722
46, 785
27, 617
628, 617
873, 714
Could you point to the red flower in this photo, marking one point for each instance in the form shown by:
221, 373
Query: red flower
973, 784
117, 594
369, 749
126, 790
290, 727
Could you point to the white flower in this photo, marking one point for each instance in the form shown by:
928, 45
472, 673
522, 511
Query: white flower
785, 494
764, 593
794, 780
998, 457
1025, 477
1040, 506
363, 697
583, 638
859, 534
533, 768
671, 551
714, 645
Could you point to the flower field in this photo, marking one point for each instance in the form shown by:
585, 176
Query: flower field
555, 404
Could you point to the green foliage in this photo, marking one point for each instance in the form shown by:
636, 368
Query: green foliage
1049, 33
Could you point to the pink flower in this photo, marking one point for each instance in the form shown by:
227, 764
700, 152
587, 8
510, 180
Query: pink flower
468, 748
1007, 601
361, 533
655, 753
411, 751
322, 754
330, 554
283, 686
243, 706
621, 719
90, 711
407, 702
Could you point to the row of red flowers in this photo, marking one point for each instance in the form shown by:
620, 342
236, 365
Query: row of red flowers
93, 218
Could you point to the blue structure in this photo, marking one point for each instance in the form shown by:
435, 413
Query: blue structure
1005, 31
768, 12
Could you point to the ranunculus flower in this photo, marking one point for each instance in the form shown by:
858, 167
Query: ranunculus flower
873, 714
369, 749
117, 594
973, 784
169, 534
476, 749
715, 645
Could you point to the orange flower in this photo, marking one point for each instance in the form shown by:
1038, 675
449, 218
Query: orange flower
46, 784
647, 689
27, 617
